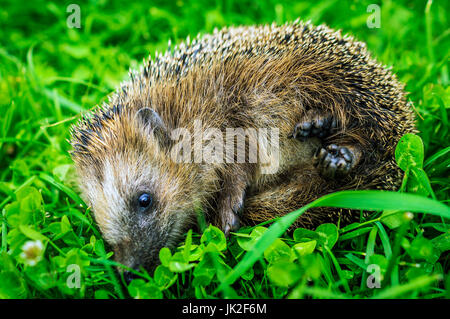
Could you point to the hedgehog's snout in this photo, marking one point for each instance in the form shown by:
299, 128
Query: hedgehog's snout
134, 262
140, 250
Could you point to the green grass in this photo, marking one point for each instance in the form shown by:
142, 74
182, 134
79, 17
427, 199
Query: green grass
50, 73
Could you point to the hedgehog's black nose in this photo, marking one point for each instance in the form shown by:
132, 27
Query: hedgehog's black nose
129, 276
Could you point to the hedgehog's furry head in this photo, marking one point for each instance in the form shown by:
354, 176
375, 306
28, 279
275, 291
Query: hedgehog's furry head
141, 199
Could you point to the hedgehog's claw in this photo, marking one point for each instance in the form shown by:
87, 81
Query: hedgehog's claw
334, 161
232, 225
230, 218
314, 126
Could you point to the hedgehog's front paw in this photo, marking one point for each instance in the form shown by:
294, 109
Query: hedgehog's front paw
334, 161
230, 218
230, 223
315, 125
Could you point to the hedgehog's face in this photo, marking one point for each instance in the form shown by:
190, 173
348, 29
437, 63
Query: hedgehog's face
140, 198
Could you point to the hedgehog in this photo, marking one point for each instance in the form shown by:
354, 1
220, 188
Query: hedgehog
336, 115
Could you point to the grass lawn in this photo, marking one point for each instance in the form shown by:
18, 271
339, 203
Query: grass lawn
50, 245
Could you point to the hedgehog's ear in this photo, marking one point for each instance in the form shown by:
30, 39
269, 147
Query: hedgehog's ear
153, 122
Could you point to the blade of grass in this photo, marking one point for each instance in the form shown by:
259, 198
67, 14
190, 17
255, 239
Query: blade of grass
62, 188
395, 253
384, 240
436, 155
338, 270
355, 233
359, 262
413, 285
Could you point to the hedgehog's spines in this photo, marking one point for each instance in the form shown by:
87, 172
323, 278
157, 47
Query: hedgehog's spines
234, 43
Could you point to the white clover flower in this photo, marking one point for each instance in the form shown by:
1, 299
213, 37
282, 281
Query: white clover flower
32, 252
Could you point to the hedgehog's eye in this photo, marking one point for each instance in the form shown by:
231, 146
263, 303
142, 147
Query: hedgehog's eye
145, 200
